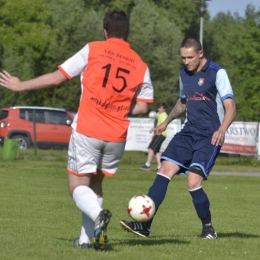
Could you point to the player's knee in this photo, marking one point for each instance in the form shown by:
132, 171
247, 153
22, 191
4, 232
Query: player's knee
195, 179
197, 170
74, 181
71, 188
168, 169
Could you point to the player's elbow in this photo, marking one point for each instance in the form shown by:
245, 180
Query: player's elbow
234, 113
56, 78
138, 108
232, 109
144, 108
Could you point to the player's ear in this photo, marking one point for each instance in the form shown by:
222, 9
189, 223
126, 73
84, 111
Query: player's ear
105, 34
201, 54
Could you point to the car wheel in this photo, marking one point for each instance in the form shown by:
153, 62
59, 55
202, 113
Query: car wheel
23, 142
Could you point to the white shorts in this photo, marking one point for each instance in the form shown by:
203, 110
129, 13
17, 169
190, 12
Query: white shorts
86, 155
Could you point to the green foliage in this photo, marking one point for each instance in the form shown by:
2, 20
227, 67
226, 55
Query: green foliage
24, 36
236, 47
151, 30
248, 59
69, 34
24, 39
37, 36
221, 45
185, 14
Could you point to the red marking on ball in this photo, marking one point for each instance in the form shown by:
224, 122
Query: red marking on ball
146, 210
140, 195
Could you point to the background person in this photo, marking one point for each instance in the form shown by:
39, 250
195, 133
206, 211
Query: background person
207, 97
157, 140
112, 75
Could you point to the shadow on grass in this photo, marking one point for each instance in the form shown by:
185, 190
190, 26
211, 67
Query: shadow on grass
147, 242
237, 235
114, 243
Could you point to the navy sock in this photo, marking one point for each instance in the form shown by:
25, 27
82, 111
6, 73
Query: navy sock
201, 204
157, 193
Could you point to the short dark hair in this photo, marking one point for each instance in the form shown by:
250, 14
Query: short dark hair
162, 104
191, 42
116, 23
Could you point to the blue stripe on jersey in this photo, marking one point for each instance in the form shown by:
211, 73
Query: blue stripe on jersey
227, 96
214, 65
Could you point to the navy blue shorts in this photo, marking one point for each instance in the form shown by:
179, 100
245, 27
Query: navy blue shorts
188, 149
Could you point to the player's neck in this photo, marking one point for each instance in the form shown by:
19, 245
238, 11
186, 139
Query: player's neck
201, 65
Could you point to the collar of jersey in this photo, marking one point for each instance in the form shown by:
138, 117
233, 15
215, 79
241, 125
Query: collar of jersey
204, 68
119, 41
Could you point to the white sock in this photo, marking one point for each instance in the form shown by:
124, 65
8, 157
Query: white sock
148, 164
86, 200
87, 228
100, 201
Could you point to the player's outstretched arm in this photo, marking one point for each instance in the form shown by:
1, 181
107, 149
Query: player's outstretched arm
45, 81
230, 108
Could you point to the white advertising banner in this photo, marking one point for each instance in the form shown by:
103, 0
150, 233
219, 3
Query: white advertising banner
139, 136
258, 143
172, 129
241, 138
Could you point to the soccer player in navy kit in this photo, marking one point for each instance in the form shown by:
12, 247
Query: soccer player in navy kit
207, 97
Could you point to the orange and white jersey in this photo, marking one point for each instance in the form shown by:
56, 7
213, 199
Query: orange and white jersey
112, 75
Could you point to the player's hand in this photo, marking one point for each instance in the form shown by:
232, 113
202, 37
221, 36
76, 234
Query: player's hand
160, 128
9, 81
151, 130
218, 137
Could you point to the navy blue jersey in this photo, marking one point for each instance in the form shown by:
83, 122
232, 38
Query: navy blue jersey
204, 92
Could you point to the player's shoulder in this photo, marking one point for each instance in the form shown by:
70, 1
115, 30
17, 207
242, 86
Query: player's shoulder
96, 43
213, 70
216, 71
183, 72
214, 66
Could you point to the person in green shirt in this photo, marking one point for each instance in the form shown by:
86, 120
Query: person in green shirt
157, 140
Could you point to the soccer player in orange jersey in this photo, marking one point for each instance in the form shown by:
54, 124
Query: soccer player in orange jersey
115, 83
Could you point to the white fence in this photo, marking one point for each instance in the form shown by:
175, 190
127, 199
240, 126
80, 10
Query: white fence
139, 136
241, 137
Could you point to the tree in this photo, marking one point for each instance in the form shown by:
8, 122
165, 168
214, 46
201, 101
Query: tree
45, 34
72, 27
247, 55
235, 46
157, 41
36, 36
24, 38
184, 14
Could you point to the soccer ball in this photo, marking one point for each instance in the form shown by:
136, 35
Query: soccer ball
141, 208
152, 114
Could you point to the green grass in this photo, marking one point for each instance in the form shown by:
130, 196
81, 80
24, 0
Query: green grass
39, 220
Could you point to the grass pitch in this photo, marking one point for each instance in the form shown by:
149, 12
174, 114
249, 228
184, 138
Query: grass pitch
39, 220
